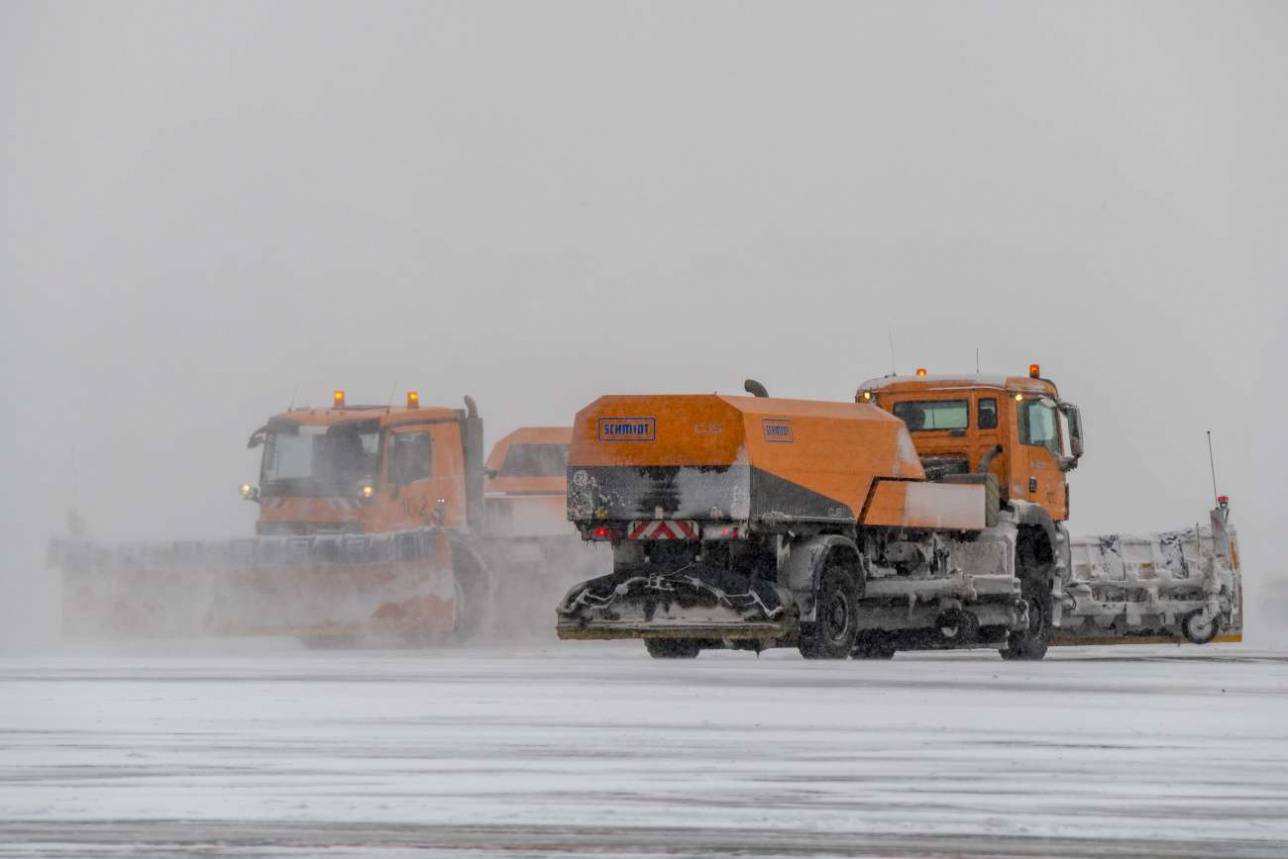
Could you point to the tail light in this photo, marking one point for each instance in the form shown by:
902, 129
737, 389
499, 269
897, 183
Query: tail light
602, 532
724, 532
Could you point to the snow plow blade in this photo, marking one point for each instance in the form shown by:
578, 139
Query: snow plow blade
318, 588
692, 602
1174, 586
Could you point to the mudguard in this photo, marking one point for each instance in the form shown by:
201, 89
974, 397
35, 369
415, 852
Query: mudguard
801, 563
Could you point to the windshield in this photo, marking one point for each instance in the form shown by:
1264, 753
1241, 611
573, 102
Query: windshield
319, 460
1038, 424
535, 460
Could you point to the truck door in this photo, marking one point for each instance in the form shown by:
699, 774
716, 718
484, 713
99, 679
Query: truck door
1036, 475
989, 434
422, 477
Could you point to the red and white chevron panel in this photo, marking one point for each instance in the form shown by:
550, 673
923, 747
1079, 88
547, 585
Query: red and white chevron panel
663, 529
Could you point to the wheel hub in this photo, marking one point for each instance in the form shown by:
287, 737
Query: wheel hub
837, 617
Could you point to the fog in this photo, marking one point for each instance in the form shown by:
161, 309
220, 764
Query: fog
212, 210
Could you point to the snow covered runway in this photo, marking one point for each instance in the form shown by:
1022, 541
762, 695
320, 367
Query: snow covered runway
586, 748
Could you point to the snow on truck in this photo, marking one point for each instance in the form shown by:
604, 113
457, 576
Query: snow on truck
928, 514
373, 521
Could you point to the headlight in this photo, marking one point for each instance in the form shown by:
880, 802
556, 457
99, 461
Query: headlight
249, 491
367, 491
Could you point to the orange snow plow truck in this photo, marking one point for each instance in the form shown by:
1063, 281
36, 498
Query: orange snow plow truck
929, 514
526, 489
373, 523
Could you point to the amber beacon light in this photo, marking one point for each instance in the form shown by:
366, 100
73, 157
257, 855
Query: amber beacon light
337, 399
1035, 372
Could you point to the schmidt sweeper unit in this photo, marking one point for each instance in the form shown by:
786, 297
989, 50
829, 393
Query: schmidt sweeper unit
928, 514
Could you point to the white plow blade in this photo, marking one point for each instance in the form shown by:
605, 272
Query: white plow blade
1174, 585
316, 585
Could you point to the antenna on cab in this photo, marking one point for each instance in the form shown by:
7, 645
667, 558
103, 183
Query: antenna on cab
1212, 465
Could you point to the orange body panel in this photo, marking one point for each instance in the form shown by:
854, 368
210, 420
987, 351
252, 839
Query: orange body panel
833, 449
907, 504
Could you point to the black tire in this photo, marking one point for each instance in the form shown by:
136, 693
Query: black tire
958, 627
833, 632
1035, 561
672, 648
872, 647
1031, 644
1196, 632
473, 591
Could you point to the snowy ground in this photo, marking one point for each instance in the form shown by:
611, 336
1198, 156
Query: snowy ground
597, 749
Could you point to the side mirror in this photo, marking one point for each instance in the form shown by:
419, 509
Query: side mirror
257, 437
1074, 419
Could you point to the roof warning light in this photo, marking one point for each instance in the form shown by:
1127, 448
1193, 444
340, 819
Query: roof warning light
337, 399
1035, 372
921, 371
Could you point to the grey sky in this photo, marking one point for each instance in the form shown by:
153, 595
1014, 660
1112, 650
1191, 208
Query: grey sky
208, 207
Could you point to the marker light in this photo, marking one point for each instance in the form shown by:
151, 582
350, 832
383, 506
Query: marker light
337, 399
921, 371
367, 491
1035, 372
413, 400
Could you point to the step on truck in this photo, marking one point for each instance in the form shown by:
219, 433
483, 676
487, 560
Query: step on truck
927, 514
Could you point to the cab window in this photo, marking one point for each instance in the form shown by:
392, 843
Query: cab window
1039, 425
535, 460
986, 416
923, 415
409, 457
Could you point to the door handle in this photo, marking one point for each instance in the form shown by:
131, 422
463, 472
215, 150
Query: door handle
1033, 484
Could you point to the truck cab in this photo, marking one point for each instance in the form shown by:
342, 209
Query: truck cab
368, 469
527, 485
1015, 428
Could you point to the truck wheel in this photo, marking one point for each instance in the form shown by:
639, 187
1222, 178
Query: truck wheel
473, 592
671, 648
832, 634
958, 627
1198, 631
872, 647
1031, 644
